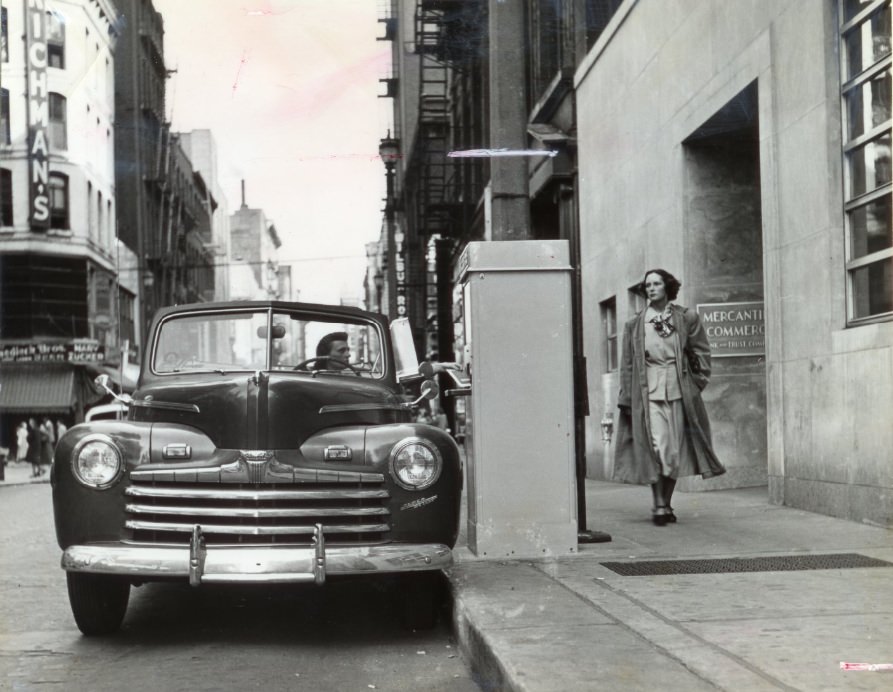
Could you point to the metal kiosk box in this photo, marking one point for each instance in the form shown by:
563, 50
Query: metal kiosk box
521, 489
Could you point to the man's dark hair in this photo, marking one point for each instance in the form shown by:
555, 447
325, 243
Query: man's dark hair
671, 283
324, 347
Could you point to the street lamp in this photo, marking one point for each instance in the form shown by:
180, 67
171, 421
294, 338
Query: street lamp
389, 151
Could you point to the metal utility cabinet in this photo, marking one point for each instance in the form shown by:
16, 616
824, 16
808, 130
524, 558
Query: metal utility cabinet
516, 305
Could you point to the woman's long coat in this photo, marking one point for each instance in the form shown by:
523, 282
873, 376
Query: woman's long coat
635, 460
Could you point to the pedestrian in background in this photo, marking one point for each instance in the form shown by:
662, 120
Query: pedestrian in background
33, 455
22, 441
61, 429
47, 441
663, 432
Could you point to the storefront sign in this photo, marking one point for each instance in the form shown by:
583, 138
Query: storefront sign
38, 114
734, 329
81, 351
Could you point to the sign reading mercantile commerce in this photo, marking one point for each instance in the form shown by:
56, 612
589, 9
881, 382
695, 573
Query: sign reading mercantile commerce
734, 329
80, 351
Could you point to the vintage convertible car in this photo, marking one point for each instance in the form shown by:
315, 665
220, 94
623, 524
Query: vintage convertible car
256, 451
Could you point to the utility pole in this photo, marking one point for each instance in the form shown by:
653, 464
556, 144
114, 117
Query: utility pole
510, 216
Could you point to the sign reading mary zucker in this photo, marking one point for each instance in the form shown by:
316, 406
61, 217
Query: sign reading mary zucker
734, 329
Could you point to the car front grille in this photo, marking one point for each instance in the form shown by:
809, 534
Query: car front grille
163, 507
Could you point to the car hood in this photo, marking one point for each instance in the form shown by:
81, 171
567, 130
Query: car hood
266, 410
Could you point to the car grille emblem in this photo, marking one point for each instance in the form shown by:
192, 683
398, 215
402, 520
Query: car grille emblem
256, 461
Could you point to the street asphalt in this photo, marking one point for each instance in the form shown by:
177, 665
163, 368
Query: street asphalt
572, 623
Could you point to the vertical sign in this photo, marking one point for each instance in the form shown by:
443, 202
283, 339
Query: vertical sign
402, 307
38, 113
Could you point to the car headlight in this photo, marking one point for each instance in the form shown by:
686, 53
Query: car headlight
96, 461
415, 463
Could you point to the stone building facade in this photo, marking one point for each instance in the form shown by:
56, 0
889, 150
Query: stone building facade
59, 295
745, 147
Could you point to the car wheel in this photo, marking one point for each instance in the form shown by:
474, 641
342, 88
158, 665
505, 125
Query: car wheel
98, 601
420, 596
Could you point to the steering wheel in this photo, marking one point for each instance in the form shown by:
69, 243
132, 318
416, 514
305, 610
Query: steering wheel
324, 359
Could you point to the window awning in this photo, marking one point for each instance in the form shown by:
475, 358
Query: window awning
37, 388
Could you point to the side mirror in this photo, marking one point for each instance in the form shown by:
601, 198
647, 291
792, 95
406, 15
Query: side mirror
102, 381
428, 390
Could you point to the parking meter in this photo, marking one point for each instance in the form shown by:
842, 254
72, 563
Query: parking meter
520, 478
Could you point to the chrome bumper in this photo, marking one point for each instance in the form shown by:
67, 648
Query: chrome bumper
240, 565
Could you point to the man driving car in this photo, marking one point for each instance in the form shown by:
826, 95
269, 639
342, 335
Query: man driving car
333, 352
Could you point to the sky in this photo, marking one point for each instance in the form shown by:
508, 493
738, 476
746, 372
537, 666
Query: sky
289, 90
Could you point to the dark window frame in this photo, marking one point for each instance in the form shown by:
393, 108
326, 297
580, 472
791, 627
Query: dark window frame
866, 160
60, 214
55, 40
608, 311
6, 198
5, 126
4, 35
58, 115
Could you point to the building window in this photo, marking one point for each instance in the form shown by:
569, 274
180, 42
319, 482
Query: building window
91, 222
545, 44
609, 329
5, 197
4, 36
636, 300
866, 92
59, 201
55, 40
598, 14
4, 116
58, 128
99, 220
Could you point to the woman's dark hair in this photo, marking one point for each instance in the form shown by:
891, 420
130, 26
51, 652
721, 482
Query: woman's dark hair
671, 282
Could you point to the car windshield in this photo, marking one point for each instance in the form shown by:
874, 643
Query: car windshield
267, 339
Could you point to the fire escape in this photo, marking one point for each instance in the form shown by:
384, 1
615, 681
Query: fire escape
435, 213
448, 35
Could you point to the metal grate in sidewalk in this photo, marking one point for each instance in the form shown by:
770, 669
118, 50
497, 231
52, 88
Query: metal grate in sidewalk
783, 563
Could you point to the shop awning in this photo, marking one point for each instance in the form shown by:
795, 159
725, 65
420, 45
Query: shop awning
36, 388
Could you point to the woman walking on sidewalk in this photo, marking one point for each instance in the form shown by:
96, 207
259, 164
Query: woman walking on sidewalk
663, 432
34, 448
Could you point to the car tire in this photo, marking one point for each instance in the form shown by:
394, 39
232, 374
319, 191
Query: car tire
420, 597
98, 602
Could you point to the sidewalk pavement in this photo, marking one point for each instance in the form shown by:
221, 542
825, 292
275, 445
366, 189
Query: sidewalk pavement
19, 473
571, 623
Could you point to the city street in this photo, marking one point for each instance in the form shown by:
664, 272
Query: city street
179, 638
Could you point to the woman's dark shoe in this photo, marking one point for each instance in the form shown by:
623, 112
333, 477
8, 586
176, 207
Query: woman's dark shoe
659, 516
671, 517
